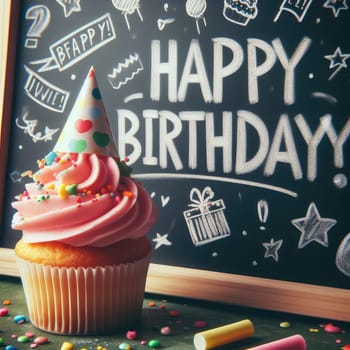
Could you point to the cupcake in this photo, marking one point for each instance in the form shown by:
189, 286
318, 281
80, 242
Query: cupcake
83, 256
240, 11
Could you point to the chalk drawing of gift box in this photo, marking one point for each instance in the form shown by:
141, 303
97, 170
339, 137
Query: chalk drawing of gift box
206, 222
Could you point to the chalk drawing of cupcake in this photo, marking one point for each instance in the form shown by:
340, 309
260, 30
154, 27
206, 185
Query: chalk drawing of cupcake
240, 11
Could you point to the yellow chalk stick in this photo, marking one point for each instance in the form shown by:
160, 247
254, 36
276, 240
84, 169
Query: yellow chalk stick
223, 335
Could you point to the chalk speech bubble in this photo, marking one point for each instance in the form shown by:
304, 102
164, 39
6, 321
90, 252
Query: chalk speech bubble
79, 44
45, 93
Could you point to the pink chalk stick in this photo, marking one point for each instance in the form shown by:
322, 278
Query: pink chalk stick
295, 342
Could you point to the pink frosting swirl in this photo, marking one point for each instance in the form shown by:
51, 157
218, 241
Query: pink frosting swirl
83, 200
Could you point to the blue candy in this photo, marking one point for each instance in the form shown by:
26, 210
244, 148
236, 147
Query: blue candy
11, 347
20, 319
50, 158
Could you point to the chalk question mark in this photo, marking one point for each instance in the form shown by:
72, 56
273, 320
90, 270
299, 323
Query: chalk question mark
263, 212
41, 16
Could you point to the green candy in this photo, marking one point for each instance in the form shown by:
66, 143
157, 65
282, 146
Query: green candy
125, 169
72, 189
124, 346
23, 339
154, 343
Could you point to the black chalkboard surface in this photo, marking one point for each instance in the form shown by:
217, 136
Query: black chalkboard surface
233, 114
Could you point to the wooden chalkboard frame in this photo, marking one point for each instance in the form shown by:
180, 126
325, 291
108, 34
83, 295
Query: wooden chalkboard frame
277, 295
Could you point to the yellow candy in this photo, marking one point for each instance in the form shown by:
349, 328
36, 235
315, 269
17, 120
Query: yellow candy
50, 186
313, 330
67, 346
285, 324
62, 192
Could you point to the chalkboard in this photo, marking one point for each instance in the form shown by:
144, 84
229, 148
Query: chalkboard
234, 114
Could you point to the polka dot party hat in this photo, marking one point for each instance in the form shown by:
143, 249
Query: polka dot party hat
87, 128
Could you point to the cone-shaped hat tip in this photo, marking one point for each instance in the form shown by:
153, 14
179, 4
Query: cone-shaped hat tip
87, 129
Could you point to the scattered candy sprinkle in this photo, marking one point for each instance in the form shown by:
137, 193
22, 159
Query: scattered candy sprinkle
124, 346
285, 324
153, 343
67, 346
131, 335
165, 330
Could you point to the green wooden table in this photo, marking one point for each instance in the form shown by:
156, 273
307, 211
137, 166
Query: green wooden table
157, 314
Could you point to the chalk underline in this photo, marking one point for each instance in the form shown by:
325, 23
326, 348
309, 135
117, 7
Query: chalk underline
155, 176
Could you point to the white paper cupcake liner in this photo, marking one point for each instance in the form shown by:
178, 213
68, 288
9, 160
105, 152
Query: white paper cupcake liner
82, 301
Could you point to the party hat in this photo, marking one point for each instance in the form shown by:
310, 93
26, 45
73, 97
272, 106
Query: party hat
87, 129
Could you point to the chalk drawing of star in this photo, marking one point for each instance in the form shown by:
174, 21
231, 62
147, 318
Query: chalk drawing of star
69, 6
49, 133
337, 60
161, 240
336, 6
272, 249
313, 227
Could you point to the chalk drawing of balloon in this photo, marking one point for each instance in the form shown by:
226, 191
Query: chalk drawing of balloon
128, 7
196, 9
40, 16
342, 259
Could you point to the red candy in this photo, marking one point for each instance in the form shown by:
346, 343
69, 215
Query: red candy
40, 340
331, 328
4, 311
165, 330
174, 313
131, 335
200, 324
